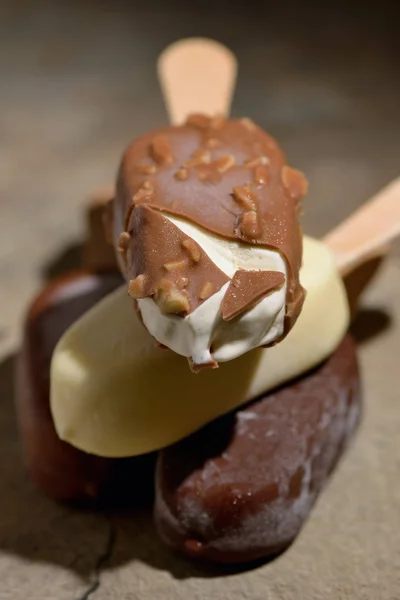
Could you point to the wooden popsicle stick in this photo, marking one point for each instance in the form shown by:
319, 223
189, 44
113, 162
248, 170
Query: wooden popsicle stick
197, 75
368, 232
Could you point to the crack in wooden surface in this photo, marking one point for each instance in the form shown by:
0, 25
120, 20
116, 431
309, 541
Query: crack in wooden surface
102, 561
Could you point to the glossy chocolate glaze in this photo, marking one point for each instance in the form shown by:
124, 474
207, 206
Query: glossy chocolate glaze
242, 487
59, 469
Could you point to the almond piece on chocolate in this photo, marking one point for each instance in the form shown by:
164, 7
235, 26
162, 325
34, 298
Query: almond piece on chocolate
245, 197
181, 174
161, 150
176, 265
137, 287
261, 175
123, 242
172, 301
294, 182
250, 225
255, 162
225, 163
199, 157
148, 185
206, 290
198, 120
192, 248
248, 124
142, 195
145, 169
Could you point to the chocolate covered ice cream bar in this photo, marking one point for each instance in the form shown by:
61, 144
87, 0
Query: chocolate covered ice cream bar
242, 487
205, 221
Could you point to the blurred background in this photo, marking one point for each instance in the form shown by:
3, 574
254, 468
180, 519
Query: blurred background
78, 82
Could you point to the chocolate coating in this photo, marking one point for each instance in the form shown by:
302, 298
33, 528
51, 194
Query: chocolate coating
176, 263
60, 470
98, 252
242, 487
247, 288
228, 177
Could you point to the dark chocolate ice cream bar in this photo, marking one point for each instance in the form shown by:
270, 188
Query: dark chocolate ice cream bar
242, 487
59, 469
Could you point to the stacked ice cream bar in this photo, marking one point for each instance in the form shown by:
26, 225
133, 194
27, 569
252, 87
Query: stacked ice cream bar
205, 227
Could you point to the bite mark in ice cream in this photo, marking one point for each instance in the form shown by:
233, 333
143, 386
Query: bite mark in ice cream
202, 334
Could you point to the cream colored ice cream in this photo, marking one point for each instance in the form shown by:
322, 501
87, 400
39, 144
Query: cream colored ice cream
113, 393
194, 335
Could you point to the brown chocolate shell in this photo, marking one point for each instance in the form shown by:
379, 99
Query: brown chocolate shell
242, 487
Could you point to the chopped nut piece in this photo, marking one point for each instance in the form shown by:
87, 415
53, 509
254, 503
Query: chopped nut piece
123, 242
206, 290
198, 120
137, 287
199, 157
245, 197
261, 175
145, 169
193, 249
208, 173
148, 185
182, 283
213, 143
165, 285
192, 162
250, 224
142, 195
203, 154
195, 368
176, 265
217, 122
181, 174
225, 163
255, 162
294, 181
161, 150
248, 123
172, 301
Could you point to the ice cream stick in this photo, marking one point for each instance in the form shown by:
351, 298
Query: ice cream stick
368, 232
197, 75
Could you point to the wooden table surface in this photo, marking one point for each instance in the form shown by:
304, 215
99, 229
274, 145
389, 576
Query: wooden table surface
77, 82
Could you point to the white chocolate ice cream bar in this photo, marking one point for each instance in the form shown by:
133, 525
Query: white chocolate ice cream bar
114, 393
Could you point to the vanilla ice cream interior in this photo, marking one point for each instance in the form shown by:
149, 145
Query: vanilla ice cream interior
204, 329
